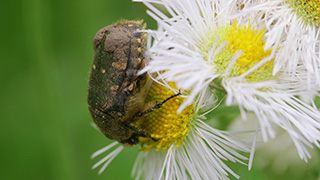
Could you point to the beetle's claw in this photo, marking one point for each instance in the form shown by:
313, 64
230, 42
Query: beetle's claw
154, 139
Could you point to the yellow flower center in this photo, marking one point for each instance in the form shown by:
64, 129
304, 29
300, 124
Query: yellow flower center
250, 42
308, 10
164, 124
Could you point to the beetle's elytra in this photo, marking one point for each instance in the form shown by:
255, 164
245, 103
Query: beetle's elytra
116, 94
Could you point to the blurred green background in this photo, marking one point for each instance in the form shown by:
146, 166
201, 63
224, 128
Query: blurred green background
46, 54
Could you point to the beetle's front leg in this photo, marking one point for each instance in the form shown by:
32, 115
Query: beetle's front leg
138, 131
157, 106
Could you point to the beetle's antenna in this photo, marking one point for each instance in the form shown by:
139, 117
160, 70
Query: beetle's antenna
157, 106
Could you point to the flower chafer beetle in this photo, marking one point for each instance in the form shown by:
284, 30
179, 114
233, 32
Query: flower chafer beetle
116, 93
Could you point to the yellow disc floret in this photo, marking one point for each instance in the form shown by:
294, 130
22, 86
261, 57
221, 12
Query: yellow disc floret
245, 39
308, 10
164, 125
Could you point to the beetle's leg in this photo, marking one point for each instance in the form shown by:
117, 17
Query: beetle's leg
139, 132
157, 106
143, 133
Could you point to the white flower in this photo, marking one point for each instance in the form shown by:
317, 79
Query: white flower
278, 156
294, 27
211, 43
199, 157
186, 147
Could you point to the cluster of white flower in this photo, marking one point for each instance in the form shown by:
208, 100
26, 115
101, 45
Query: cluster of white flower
262, 55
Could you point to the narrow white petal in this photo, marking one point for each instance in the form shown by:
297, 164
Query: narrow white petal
280, 107
199, 157
100, 151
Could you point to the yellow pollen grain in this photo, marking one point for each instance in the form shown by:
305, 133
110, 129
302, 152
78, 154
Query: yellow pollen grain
120, 66
246, 39
164, 124
139, 50
307, 10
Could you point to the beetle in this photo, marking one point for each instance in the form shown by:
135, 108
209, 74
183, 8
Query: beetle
116, 93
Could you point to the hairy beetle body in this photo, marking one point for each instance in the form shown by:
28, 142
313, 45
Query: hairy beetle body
116, 94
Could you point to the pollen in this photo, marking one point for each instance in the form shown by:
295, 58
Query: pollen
307, 10
165, 125
240, 38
